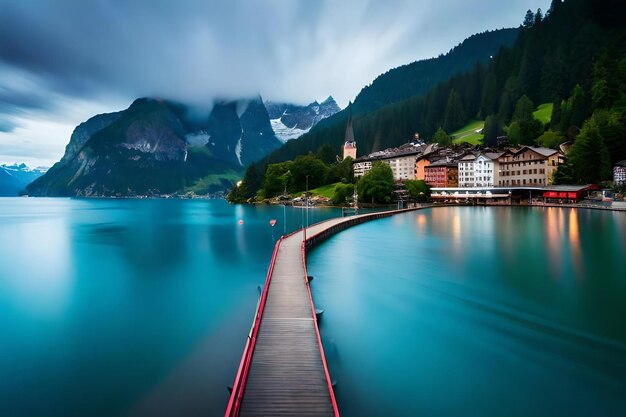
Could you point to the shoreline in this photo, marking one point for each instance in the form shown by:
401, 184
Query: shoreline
382, 207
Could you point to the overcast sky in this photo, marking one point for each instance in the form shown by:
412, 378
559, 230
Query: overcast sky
63, 61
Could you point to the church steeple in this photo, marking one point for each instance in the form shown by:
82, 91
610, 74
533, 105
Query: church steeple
349, 146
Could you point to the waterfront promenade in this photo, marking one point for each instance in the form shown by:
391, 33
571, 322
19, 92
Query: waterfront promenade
283, 370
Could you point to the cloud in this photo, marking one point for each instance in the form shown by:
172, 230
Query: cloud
6, 126
112, 51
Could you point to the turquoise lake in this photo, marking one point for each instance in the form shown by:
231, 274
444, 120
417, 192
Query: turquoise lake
129, 307
470, 311
142, 307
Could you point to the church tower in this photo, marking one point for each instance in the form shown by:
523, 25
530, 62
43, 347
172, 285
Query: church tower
349, 146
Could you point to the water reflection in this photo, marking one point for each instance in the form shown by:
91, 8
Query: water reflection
514, 322
136, 305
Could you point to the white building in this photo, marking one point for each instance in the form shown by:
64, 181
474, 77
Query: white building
478, 170
401, 160
619, 172
466, 171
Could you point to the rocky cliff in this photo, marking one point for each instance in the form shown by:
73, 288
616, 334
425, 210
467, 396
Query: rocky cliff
157, 147
289, 121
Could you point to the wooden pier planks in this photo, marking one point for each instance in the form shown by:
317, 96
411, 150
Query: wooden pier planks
283, 370
287, 375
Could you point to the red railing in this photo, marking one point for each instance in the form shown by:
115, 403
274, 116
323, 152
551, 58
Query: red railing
234, 403
236, 396
317, 333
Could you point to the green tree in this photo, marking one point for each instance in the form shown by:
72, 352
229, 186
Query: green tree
491, 130
589, 156
343, 194
418, 190
442, 138
341, 171
488, 98
524, 109
274, 180
377, 184
524, 128
248, 187
550, 139
538, 17
455, 114
308, 165
327, 153
529, 19
555, 117
564, 174
600, 94
577, 107
524, 132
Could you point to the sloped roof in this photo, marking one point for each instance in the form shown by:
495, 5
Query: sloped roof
539, 150
349, 130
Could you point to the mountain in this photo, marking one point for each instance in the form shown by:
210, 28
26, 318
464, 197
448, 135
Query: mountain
14, 178
572, 57
397, 85
291, 121
419, 77
158, 147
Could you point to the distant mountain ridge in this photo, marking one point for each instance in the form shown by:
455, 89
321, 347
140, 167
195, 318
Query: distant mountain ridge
290, 121
395, 86
158, 147
15, 178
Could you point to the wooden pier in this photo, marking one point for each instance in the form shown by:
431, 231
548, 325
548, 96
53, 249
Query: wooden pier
283, 370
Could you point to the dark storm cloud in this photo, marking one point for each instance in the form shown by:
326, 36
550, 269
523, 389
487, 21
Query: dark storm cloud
60, 59
198, 49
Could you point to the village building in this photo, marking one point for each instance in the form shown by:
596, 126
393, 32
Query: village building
401, 160
619, 172
529, 165
442, 173
479, 170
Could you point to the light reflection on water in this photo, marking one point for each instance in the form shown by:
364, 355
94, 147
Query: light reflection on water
128, 307
480, 311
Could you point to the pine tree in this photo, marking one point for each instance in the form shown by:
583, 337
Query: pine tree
524, 109
555, 117
491, 130
488, 99
589, 155
442, 138
577, 103
529, 19
554, 5
455, 113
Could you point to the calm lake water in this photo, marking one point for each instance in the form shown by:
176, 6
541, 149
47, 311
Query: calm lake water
128, 307
476, 312
141, 308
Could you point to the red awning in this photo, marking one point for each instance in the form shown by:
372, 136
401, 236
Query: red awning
572, 195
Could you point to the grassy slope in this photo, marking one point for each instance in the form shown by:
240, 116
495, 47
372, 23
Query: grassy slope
323, 191
468, 133
543, 112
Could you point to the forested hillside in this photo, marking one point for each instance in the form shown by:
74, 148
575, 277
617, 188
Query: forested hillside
398, 84
573, 56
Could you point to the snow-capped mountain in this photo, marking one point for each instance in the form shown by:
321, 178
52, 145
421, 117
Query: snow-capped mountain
14, 178
290, 121
158, 147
